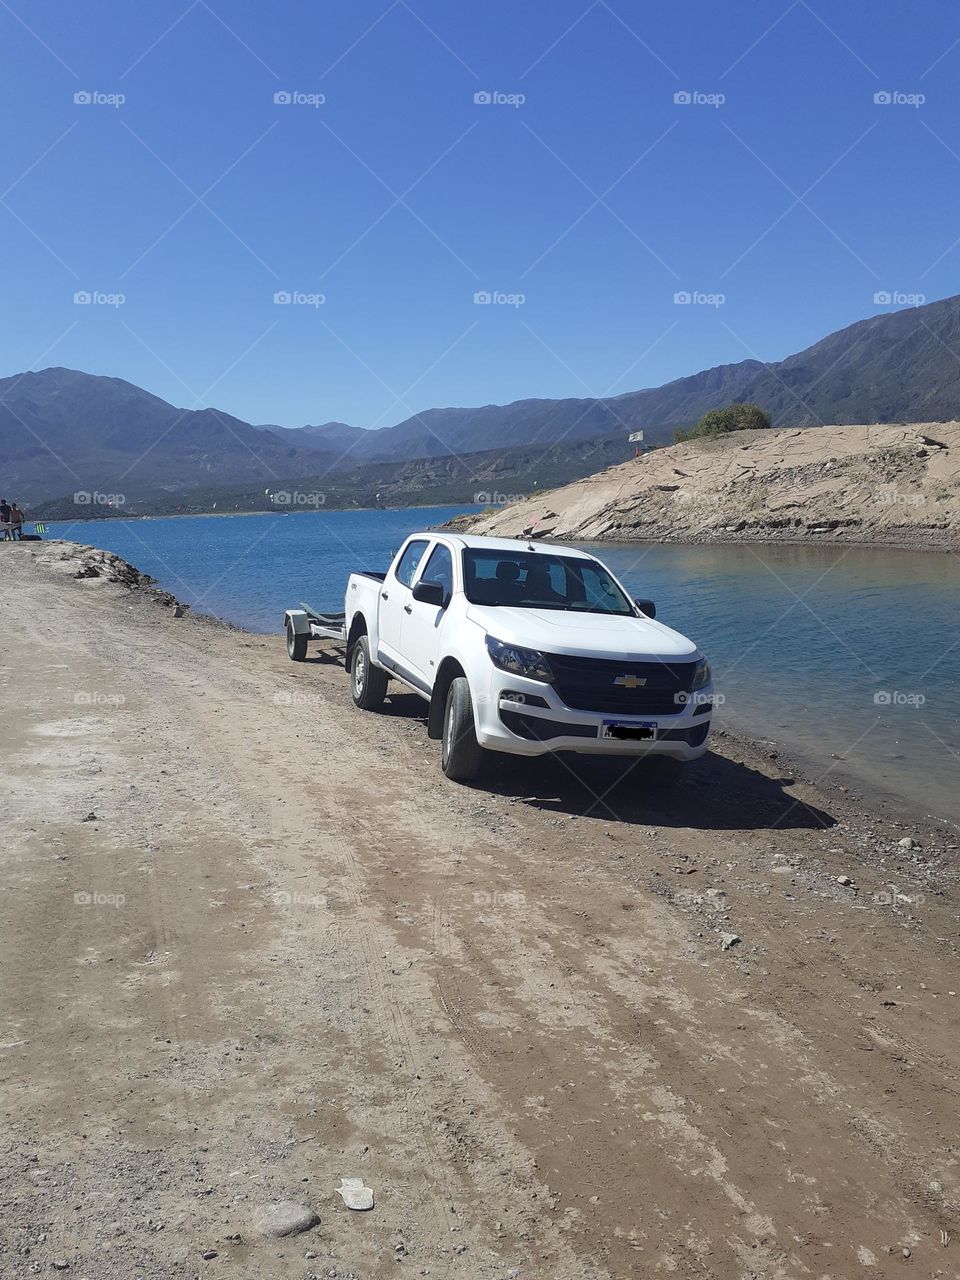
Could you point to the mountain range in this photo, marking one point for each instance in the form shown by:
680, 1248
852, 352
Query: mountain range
62, 430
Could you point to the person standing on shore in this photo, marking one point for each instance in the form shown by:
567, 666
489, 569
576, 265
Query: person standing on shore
16, 519
6, 512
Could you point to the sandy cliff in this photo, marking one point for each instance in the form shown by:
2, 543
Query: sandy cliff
896, 485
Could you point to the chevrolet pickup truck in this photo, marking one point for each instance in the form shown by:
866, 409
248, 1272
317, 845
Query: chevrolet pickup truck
518, 647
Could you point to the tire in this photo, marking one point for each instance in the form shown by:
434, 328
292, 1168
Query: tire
462, 756
368, 683
296, 645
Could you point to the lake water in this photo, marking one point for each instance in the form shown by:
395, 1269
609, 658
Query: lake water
849, 657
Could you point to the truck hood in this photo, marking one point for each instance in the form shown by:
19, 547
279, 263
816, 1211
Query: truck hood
590, 635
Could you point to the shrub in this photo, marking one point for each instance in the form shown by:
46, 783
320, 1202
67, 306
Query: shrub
735, 417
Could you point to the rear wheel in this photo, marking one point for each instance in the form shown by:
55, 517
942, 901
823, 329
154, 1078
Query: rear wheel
296, 644
462, 756
367, 682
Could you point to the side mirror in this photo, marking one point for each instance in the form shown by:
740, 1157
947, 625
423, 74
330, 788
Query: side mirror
430, 593
647, 607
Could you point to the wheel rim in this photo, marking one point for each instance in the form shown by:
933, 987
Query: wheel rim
448, 731
290, 640
359, 672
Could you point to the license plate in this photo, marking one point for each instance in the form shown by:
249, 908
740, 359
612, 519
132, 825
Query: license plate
632, 731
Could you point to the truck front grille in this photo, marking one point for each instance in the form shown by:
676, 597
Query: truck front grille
590, 684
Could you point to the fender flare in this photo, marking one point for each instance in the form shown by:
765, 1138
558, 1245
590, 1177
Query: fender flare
358, 627
448, 671
298, 619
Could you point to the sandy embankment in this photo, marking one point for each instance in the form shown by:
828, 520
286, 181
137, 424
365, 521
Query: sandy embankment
887, 486
252, 943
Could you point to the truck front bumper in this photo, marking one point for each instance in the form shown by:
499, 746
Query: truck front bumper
528, 719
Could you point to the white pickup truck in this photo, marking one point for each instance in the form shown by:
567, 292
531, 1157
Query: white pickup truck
519, 647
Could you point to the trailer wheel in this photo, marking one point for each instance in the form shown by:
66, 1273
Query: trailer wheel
367, 682
462, 756
296, 644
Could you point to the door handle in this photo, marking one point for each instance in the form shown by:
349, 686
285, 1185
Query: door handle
384, 595
408, 608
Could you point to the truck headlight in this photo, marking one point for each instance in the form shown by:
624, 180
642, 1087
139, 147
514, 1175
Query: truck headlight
701, 677
519, 662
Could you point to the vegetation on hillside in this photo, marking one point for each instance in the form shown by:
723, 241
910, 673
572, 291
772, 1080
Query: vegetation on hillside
720, 422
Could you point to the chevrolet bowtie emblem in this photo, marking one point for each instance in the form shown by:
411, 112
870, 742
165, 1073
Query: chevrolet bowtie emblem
630, 682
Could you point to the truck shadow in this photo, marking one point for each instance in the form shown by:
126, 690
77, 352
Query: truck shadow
712, 793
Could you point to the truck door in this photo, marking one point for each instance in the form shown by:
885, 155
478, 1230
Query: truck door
423, 624
395, 596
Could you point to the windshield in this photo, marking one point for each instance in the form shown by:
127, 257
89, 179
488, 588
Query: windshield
541, 580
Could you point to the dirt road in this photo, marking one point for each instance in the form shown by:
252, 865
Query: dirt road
252, 942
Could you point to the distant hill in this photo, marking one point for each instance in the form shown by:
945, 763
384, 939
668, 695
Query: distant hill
898, 366
491, 477
337, 438
62, 430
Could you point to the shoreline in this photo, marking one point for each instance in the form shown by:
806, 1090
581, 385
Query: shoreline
852, 544
465, 523
223, 515
868, 794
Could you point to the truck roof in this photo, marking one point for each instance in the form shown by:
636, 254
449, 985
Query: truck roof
507, 544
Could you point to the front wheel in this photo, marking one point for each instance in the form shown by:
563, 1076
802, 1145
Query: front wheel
367, 682
296, 644
462, 756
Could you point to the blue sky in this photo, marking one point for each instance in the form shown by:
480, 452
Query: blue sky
596, 199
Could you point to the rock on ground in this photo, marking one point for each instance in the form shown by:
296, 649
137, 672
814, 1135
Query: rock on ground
285, 1218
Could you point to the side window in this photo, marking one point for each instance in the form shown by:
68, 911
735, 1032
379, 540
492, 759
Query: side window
440, 568
410, 562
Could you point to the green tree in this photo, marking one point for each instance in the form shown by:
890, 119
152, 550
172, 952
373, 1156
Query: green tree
735, 417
